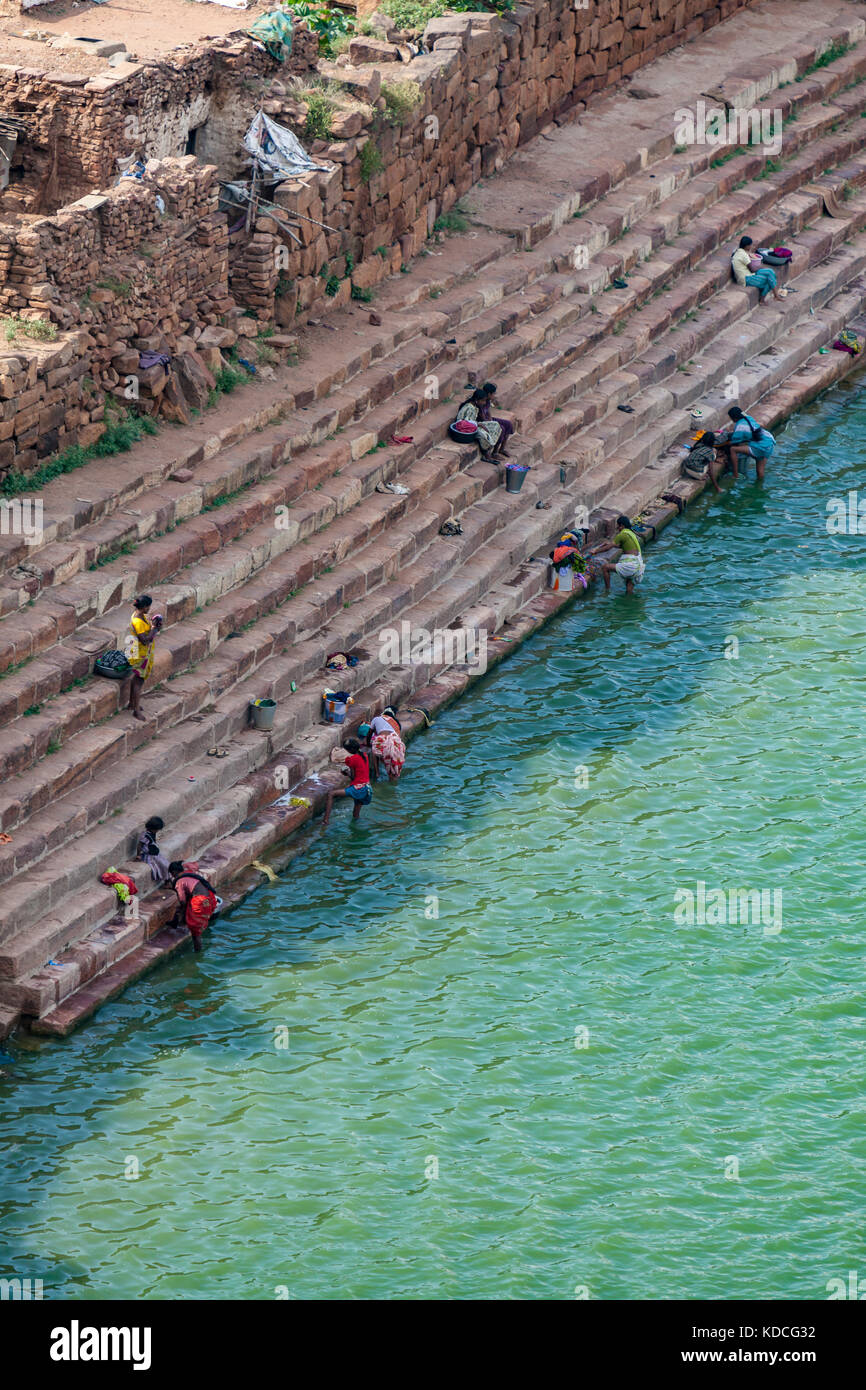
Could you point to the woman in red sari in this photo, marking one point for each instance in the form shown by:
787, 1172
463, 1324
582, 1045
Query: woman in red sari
197, 901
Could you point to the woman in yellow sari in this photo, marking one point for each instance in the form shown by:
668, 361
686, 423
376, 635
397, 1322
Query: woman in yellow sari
139, 649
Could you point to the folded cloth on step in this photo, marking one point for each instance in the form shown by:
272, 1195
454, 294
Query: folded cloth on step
848, 342
123, 885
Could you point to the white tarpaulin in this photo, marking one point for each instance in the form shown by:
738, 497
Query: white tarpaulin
230, 4
278, 150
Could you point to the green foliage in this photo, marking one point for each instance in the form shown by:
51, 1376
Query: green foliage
332, 284
371, 161
363, 295
320, 114
41, 329
414, 15
122, 288
836, 50
401, 99
333, 27
453, 221
729, 154
121, 432
227, 378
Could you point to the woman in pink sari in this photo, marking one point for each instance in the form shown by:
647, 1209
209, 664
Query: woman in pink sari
386, 744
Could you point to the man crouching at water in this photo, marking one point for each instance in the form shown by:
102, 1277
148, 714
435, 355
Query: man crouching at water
630, 565
197, 901
357, 769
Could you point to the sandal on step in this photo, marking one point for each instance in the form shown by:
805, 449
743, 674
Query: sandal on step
217, 752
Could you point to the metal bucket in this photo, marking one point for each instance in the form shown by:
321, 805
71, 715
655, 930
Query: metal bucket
335, 711
262, 713
515, 477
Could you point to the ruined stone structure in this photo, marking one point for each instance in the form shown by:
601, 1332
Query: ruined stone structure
593, 272
120, 275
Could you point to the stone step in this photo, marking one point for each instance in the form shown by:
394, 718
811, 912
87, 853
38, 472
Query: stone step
108, 742
57, 983
529, 528
53, 679
627, 442
817, 87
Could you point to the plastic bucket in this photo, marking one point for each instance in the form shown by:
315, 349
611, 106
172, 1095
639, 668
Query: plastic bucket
335, 711
561, 578
262, 713
515, 477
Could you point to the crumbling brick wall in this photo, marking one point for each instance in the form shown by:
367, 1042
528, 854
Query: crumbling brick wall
488, 85
76, 128
141, 268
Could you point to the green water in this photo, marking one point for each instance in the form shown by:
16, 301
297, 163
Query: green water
703, 1137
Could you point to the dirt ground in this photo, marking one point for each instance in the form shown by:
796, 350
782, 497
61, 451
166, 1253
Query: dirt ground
149, 29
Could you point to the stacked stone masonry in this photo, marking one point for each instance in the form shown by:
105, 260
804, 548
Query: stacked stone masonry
118, 274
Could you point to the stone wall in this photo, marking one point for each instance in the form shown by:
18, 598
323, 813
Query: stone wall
488, 85
121, 272
77, 127
141, 268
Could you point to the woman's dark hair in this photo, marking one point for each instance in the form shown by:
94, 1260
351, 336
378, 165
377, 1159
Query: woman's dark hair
143, 601
478, 397
624, 521
154, 824
489, 389
737, 414
390, 710
175, 867
744, 242
352, 745
708, 437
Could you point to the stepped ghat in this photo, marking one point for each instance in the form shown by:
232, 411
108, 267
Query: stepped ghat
524, 296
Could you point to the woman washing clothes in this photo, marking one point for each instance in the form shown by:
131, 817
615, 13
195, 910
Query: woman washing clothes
630, 565
197, 899
486, 415
488, 433
139, 649
386, 744
746, 439
750, 270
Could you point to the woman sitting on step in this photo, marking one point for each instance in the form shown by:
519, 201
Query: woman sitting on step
505, 425
487, 433
750, 270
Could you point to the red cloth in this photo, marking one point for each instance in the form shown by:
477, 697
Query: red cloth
562, 552
359, 768
200, 903
112, 878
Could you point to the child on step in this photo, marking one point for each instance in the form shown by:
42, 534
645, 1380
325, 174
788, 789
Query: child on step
149, 851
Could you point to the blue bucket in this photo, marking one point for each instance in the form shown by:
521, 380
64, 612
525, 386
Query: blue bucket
335, 711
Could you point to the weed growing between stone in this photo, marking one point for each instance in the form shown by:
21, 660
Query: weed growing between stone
121, 432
